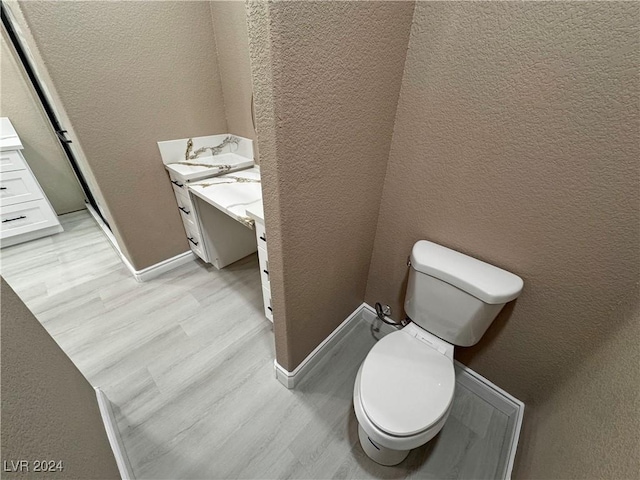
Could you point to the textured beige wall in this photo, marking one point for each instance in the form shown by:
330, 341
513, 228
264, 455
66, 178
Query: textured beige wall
232, 41
43, 153
516, 141
588, 427
334, 79
130, 74
259, 36
49, 410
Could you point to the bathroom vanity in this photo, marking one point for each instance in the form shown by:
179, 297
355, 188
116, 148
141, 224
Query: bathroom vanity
219, 197
25, 210
255, 211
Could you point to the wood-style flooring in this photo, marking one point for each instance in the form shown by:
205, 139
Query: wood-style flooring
187, 361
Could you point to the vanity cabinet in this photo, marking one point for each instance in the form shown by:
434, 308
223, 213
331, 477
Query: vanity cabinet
219, 198
263, 258
257, 214
25, 212
188, 215
182, 171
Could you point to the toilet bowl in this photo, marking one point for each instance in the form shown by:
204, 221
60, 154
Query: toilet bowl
404, 389
403, 393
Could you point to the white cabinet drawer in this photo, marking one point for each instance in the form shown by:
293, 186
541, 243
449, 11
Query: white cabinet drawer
18, 187
183, 198
12, 160
263, 259
186, 210
261, 236
26, 217
266, 298
195, 241
179, 186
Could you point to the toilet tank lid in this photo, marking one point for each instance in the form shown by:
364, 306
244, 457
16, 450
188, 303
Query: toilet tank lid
486, 282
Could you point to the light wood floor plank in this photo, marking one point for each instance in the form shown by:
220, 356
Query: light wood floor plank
187, 361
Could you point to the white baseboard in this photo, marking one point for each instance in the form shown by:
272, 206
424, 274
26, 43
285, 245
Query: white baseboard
113, 434
112, 239
148, 273
291, 379
479, 385
153, 271
500, 400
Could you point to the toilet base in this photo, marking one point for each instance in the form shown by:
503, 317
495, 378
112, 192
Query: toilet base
379, 454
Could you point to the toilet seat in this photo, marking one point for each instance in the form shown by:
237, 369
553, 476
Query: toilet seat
405, 386
383, 438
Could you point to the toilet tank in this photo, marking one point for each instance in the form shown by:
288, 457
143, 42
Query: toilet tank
454, 296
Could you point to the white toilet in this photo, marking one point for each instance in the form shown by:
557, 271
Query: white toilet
404, 389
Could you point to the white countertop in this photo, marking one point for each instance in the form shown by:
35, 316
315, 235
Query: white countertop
9, 139
234, 194
256, 211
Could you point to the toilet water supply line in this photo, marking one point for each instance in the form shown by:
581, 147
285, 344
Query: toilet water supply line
383, 314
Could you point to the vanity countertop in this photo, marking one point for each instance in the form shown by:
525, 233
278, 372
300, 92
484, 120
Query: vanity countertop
232, 193
256, 211
9, 139
209, 165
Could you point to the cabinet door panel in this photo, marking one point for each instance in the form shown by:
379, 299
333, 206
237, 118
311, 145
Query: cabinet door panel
26, 217
18, 187
12, 160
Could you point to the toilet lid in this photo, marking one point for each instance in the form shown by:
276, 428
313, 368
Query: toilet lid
405, 385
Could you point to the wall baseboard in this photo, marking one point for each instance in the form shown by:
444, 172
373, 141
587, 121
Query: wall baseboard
492, 394
291, 379
153, 271
500, 400
148, 273
113, 434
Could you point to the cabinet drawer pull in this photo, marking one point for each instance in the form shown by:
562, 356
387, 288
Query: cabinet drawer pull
262, 237
3, 188
266, 271
184, 210
270, 309
177, 184
12, 219
192, 241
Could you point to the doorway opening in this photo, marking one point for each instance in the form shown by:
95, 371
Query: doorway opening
56, 124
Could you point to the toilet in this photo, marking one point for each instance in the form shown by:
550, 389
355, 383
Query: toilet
404, 388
